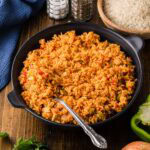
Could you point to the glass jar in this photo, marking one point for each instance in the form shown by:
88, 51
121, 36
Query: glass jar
82, 10
57, 9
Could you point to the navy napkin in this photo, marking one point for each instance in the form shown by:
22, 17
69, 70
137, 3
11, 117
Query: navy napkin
13, 13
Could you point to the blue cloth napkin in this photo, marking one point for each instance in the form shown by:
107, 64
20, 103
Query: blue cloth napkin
13, 13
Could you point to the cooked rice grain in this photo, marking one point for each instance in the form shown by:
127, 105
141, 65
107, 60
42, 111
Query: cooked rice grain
95, 78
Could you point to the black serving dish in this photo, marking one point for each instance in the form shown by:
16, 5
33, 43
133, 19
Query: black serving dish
130, 45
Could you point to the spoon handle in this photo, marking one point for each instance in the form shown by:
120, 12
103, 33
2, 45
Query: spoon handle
97, 139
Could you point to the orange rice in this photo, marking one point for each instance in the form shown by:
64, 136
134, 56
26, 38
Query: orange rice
95, 78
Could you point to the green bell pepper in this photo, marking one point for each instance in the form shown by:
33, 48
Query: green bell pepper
143, 117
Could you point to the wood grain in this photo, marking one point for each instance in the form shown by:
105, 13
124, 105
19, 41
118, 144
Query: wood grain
19, 123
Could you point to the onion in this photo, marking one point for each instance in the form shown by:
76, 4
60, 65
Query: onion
138, 145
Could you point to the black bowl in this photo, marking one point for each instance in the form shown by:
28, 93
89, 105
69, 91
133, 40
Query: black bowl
130, 45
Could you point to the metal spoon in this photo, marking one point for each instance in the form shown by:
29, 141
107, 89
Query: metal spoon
96, 139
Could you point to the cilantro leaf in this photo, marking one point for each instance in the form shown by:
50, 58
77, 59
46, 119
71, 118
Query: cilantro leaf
29, 144
4, 134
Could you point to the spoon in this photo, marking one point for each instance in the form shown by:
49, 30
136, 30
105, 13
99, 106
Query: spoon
96, 139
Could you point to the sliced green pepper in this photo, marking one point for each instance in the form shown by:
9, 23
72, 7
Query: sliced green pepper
143, 117
148, 98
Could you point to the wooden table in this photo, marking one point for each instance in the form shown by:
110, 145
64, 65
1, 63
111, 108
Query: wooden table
19, 123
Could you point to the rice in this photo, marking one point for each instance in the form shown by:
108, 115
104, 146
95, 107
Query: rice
130, 14
95, 78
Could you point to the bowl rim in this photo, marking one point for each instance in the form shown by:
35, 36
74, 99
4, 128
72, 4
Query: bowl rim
137, 90
110, 23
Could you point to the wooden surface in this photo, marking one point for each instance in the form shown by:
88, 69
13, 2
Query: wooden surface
19, 123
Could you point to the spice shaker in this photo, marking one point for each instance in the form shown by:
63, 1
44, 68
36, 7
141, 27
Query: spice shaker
82, 10
57, 9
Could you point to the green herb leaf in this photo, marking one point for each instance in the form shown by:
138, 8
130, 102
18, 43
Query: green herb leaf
4, 134
29, 144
